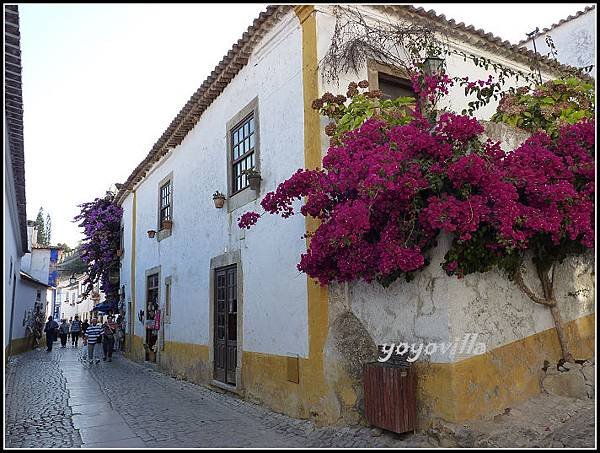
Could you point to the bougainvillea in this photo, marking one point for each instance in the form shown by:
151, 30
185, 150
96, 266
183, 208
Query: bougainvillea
388, 189
101, 223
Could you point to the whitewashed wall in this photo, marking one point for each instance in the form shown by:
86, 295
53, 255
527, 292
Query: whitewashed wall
274, 293
441, 309
575, 41
39, 264
12, 260
27, 293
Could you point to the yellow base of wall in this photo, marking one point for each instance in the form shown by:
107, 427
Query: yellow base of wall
486, 384
188, 361
473, 388
20, 345
135, 349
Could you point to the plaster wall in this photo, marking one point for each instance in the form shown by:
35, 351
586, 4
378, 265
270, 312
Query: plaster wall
575, 41
274, 308
27, 293
12, 266
40, 264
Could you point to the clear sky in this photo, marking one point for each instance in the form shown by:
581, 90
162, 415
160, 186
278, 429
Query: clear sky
101, 83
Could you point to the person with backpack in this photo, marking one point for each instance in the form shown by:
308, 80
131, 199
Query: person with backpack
51, 330
75, 331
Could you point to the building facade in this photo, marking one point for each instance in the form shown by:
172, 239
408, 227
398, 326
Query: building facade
227, 307
21, 291
573, 40
70, 300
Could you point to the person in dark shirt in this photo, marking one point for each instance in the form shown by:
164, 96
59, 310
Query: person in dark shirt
64, 333
84, 326
75, 330
51, 329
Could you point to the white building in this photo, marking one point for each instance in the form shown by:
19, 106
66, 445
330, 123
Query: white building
41, 263
22, 292
574, 40
70, 300
234, 311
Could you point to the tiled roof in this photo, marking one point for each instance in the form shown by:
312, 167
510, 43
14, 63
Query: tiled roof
562, 21
13, 108
238, 55
482, 39
25, 276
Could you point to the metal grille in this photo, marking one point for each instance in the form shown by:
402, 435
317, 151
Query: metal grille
242, 152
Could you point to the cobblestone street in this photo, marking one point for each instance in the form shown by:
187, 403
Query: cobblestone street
52, 400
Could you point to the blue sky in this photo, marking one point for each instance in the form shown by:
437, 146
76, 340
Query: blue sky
102, 82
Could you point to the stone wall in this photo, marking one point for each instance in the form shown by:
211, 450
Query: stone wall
516, 335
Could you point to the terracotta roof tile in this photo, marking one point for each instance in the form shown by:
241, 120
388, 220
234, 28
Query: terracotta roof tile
13, 108
237, 57
562, 21
514, 51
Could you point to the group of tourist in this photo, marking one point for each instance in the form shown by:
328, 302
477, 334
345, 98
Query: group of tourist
110, 334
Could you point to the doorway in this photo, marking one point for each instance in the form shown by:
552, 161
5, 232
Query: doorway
225, 322
151, 309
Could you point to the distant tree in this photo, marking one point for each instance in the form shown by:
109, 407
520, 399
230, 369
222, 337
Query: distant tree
65, 247
48, 233
41, 230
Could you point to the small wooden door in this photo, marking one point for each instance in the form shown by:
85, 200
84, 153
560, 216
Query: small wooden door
225, 323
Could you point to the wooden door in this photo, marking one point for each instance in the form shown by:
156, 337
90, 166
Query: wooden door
225, 325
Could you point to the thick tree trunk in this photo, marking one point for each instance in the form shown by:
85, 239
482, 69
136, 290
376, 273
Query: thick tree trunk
562, 337
549, 301
548, 287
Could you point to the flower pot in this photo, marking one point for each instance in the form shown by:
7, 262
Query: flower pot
254, 181
167, 224
151, 233
219, 202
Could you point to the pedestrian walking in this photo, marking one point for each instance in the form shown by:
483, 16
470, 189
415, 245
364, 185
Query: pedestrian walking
109, 328
91, 337
69, 333
84, 326
119, 334
51, 330
64, 332
75, 331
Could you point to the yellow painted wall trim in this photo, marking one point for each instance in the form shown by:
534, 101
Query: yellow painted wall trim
20, 345
311, 370
132, 275
303, 12
486, 384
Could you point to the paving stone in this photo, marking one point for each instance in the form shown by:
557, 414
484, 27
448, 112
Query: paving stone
53, 401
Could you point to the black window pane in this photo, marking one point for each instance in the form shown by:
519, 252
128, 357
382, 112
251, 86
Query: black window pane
394, 87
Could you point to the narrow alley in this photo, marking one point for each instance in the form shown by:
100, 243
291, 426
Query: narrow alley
53, 400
